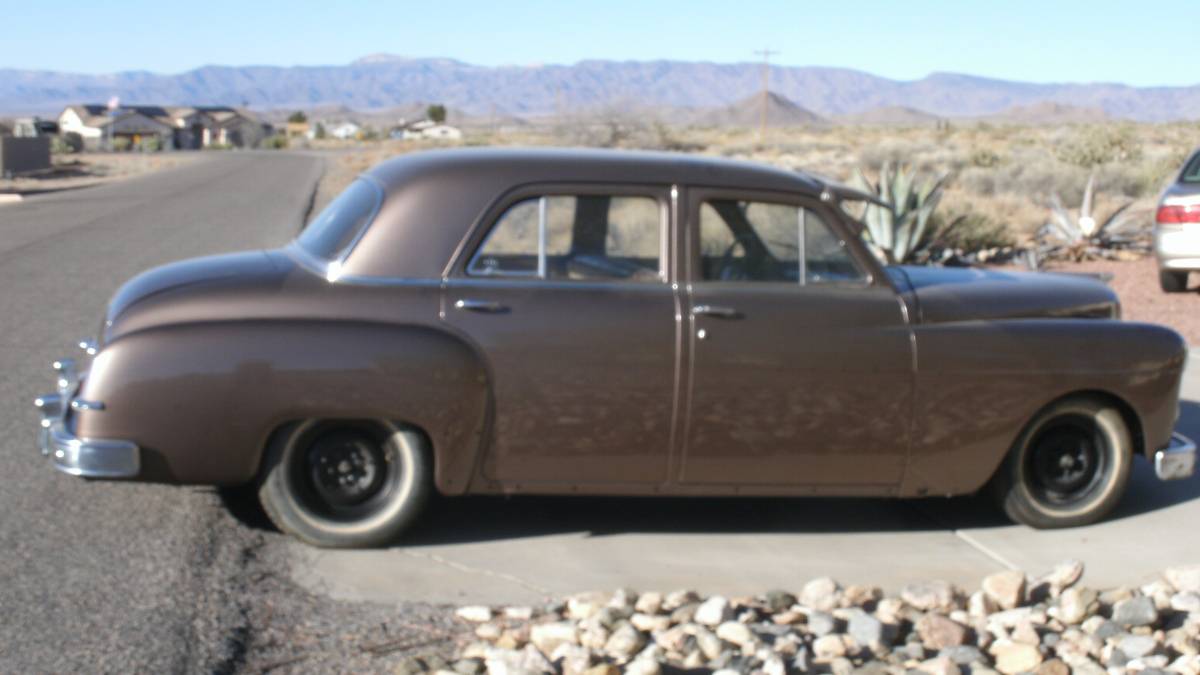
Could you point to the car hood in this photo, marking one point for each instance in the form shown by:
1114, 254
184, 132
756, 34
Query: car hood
965, 294
160, 283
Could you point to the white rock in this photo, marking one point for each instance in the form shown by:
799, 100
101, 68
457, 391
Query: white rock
572, 659
650, 623
643, 667
624, 642
474, 613
584, 605
714, 611
1186, 602
649, 603
931, 595
1185, 579
737, 633
518, 613
548, 636
1006, 588
1063, 576
1016, 657
829, 647
820, 594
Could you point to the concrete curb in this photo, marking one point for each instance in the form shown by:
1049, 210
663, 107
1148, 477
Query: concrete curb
10, 198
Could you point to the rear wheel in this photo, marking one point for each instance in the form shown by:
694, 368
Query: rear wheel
1172, 281
344, 483
1069, 467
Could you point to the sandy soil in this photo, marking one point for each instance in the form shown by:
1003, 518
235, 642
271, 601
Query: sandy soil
1136, 283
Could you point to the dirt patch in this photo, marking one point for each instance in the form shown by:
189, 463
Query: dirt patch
82, 170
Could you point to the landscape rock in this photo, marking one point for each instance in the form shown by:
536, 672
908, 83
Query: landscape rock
1184, 579
964, 655
649, 603
829, 647
548, 636
1076, 604
736, 633
866, 630
820, 594
939, 666
938, 632
1139, 611
584, 605
933, 595
1053, 667
821, 623
1006, 589
474, 613
624, 642
713, 612
1064, 575
572, 659
1016, 657
1186, 602
1138, 646
778, 601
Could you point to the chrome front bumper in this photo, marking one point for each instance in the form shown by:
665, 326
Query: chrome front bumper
1177, 460
88, 457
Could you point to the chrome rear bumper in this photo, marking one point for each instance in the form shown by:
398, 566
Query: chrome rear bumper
1177, 460
88, 457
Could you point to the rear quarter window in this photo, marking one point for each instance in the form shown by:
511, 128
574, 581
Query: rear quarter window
332, 234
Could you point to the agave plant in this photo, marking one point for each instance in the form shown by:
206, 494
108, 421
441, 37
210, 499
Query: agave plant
902, 231
1083, 236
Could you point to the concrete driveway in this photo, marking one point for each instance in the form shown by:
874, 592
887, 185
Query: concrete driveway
522, 550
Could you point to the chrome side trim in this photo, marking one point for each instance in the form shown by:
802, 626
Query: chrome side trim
1177, 460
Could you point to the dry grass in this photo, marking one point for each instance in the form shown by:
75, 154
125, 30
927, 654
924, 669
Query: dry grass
94, 168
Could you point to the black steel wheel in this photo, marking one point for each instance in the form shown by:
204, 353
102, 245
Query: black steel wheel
1069, 467
345, 483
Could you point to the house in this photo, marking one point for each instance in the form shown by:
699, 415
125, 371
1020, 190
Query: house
428, 129
344, 130
298, 130
181, 127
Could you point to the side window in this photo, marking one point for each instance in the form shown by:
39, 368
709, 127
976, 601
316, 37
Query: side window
575, 237
764, 241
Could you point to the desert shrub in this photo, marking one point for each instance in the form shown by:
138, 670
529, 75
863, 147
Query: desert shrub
276, 142
218, 146
984, 158
1095, 145
60, 145
120, 144
150, 144
971, 231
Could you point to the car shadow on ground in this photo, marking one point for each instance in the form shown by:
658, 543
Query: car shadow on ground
481, 519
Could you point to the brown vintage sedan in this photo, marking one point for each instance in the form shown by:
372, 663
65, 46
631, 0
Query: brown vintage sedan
584, 322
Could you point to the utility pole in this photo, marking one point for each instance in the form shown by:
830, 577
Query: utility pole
766, 55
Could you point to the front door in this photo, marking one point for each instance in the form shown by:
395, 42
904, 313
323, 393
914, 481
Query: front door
566, 296
802, 358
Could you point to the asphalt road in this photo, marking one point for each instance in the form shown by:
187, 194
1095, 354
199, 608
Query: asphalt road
95, 576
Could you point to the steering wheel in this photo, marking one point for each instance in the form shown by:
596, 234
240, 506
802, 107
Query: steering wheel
728, 272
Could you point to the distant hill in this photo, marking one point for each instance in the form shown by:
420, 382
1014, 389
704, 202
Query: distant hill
748, 113
384, 81
1048, 112
892, 115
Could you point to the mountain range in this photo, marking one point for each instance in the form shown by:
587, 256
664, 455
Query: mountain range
384, 81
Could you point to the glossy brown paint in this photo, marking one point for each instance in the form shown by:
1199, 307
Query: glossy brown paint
901, 386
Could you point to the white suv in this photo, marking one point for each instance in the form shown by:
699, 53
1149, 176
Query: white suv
1177, 228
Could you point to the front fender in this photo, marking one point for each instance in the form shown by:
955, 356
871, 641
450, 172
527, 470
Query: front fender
202, 399
980, 382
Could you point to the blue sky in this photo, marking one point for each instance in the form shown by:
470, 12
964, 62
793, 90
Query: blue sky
1142, 43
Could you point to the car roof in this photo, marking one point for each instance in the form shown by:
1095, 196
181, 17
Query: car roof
433, 198
532, 165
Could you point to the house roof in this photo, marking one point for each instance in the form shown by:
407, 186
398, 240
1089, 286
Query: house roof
97, 115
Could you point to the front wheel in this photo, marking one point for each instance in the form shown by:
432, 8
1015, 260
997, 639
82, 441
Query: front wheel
345, 484
1069, 467
1172, 281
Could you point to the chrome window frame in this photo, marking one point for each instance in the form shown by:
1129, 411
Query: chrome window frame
664, 228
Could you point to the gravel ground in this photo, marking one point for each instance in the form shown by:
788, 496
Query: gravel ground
1014, 623
1136, 283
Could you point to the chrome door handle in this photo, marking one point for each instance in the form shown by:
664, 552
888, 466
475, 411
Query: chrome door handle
717, 311
484, 306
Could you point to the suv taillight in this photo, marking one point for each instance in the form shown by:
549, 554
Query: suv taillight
1178, 213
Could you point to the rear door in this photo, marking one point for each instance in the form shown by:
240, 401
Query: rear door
802, 360
565, 293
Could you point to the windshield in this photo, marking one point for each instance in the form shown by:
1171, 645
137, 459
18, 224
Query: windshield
1191, 174
333, 232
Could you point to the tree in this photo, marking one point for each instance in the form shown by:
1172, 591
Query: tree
298, 117
319, 132
436, 113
